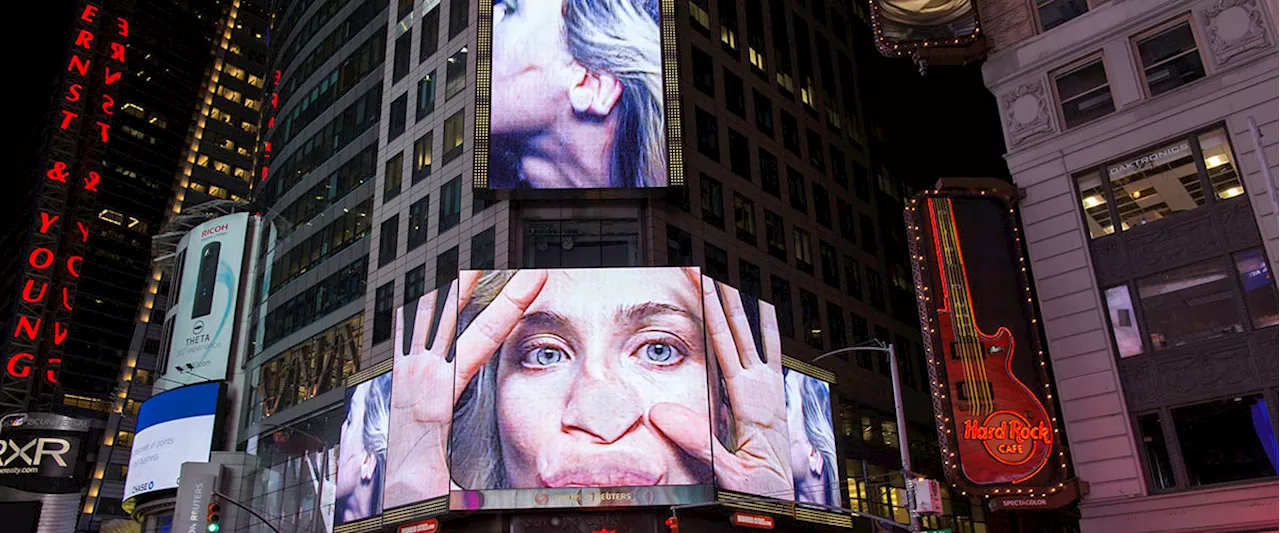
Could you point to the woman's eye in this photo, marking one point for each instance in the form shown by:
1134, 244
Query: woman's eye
545, 356
659, 353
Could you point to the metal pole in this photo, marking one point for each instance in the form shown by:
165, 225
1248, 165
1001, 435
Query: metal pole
1262, 162
246, 508
908, 478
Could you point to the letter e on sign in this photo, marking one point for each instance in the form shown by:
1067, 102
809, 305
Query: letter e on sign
426, 526
758, 521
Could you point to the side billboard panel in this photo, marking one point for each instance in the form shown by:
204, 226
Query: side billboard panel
575, 95
362, 451
200, 325
173, 427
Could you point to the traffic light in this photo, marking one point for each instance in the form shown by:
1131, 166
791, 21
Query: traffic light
213, 517
674, 524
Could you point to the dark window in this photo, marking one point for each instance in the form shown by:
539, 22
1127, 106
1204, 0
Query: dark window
755, 38
679, 247
735, 97
446, 266
744, 218
739, 154
803, 250
780, 292
426, 95
581, 243
822, 205
868, 233
415, 283
712, 201
717, 262
430, 34
875, 290
482, 199
708, 134
455, 73
422, 151
704, 77
749, 278
454, 130
403, 7
839, 171
418, 223
729, 28
1189, 304
790, 133
858, 334
388, 239
816, 149
1223, 440
835, 327
775, 235
1055, 12
1170, 59
393, 177
852, 277
482, 248
399, 116
450, 204
861, 182
796, 190
812, 321
848, 229
764, 113
769, 180
830, 264
400, 67
384, 303
882, 335
458, 12
1083, 93
1159, 466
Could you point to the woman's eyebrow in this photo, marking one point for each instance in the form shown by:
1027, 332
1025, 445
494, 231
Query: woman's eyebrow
635, 313
546, 320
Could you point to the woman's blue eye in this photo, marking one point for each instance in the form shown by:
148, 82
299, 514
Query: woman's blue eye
658, 352
545, 356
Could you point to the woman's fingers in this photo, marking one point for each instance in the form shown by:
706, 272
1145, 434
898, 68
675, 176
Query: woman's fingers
736, 315
448, 322
771, 340
425, 314
718, 331
467, 281
397, 334
490, 328
687, 428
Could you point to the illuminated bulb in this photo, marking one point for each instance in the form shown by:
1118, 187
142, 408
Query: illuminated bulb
1215, 161
1136, 194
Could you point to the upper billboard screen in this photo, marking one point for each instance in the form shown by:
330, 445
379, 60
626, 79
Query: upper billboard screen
929, 31
577, 96
173, 427
206, 276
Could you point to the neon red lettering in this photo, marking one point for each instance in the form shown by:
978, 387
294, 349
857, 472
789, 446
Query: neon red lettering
92, 180
84, 232
26, 291
73, 265
40, 258
112, 77
59, 333
58, 172
67, 117
73, 92
78, 65
123, 27
117, 52
47, 220
108, 104
66, 300
85, 39
12, 366
25, 326
89, 12
105, 128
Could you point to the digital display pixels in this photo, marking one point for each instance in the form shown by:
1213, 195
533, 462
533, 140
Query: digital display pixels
173, 427
574, 94
362, 450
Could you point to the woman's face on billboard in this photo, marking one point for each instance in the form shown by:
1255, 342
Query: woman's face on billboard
351, 455
577, 376
532, 70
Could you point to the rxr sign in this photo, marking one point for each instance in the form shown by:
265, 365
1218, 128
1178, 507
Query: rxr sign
34, 451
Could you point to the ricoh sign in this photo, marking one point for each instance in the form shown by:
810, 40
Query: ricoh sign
40, 452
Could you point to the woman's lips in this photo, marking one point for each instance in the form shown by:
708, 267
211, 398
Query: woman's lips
586, 475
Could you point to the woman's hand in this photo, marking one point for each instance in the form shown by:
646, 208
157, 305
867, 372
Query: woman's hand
423, 381
760, 465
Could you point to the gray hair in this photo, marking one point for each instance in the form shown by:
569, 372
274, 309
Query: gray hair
377, 420
475, 444
623, 38
815, 402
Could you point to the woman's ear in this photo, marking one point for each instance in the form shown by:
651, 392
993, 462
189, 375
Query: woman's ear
593, 93
367, 467
815, 461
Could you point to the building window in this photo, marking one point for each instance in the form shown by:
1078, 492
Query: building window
429, 37
744, 218
454, 129
839, 171
868, 233
848, 229
704, 77
875, 291
708, 134
1189, 304
749, 278
383, 308
393, 177
426, 95
450, 204
388, 241
712, 201
796, 190
852, 277
830, 264
1083, 92
699, 16
790, 133
835, 326
400, 67
415, 283
1259, 286
1169, 58
1226, 440
769, 180
717, 262
816, 149
455, 73
1159, 465
729, 28
735, 96
482, 249
418, 223
764, 113
679, 247
1124, 323
822, 205
458, 12
1155, 183
780, 292
775, 235
399, 118
422, 156
583, 243
803, 250
810, 318
739, 154
1052, 13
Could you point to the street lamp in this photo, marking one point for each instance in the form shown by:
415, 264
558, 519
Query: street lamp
908, 477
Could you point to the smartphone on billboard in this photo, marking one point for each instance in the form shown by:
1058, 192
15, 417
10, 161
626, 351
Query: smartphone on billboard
205, 279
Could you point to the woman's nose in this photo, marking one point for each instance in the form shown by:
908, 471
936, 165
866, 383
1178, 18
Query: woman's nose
605, 409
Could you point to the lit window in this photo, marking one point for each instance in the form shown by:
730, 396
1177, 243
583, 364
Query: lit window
454, 129
455, 77
217, 192
698, 12
1155, 184
1083, 93
1169, 58
1219, 163
757, 59
1259, 288
255, 81
1097, 214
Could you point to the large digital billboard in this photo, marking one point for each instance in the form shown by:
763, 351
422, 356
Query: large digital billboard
593, 388
576, 94
206, 281
174, 427
362, 450
996, 422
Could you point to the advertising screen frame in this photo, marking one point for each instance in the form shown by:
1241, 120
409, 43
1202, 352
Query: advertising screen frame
187, 412
671, 97
1017, 334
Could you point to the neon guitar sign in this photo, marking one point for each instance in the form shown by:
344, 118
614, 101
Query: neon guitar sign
1004, 434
